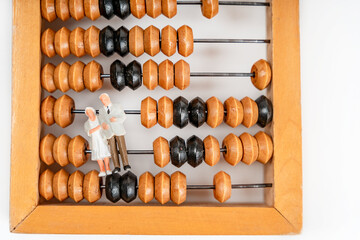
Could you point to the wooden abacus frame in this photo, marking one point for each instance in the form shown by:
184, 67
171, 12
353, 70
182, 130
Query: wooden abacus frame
281, 213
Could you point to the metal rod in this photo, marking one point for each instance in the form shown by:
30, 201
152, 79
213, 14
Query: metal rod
235, 186
229, 3
140, 152
82, 111
212, 40
210, 74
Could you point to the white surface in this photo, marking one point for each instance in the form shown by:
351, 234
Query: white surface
330, 96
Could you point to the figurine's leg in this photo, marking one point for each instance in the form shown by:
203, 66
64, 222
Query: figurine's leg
120, 140
102, 168
114, 154
107, 163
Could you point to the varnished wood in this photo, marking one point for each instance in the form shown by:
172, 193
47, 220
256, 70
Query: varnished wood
165, 112
92, 10
166, 74
61, 76
215, 112
47, 77
178, 187
91, 40
222, 183
153, 8
60, 182
209, 8
76, 151
47, 43
61, 42
185, 40
148, 112
91, 186
60, 150
77, 46
161, 152
212, 150
62, 111
182, 74
234, 149
75, 186
47, 110
250, 147
168, 40
76, 79
137, 8
76, 8
48, 10
146, 187
46, 149
150, 74
251, 112
162, 187
262, 72
92, 79
46, 184
136, 41
234, 112
62, 9
152, 39
265, 146
169, 8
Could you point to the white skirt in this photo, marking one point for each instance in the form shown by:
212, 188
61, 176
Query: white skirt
99, 147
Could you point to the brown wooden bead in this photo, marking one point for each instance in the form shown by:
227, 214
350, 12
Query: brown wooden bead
46, 149
60, 182
92, 78
61, 41
75, 186
185, 40
76, 9
262, 71
153, 8
178, 187
61, 77
215, 112
150, 74
234, 112
166, 74
212, 150
152, 40
136, 41
182, 74
91, 40
169, 8
47, 77
234, 149
168, 40
47, 110
47, 43
76, 151
92, 10
165, 112
62, 111
91, 186
222, 183
265, 146
161, 152
137, 8
48, 10
250, 147
251, 112
60, 150
77, 46
209, 8
76, 80
162, 187
148, 112
62, 9
146, 187
46, 184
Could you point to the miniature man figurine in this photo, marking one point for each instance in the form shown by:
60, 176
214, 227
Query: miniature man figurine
113, 116
99, 148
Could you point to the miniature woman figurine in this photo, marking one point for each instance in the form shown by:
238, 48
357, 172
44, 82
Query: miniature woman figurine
99, 148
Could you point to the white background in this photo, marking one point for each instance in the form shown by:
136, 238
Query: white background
330, 48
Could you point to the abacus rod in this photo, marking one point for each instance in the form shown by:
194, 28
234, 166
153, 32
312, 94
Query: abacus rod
140, 152
131, 112
207, 74
229, 3
213, 40
234, 186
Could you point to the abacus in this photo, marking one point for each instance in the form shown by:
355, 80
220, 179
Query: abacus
212, 106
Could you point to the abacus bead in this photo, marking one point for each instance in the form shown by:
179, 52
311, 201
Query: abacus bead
166, 74
76, 80
251, 112
148, 112
112, 188
61, 41
76, 151
76, 9
47, 110
265, 146
61, 77
169, 8
75, 186
250, 147
122, 41
222, 182
178, 153
60, 150
234, 149
46, 184
106, 41
262, 72
265, 111
46, 149
117, 75
92, 79
133, 75
197, 112
195, 151
182, 74
215, 112
162, 187
128, 185
60, 184
62, 111
209, 8
165, 112
212, 150
146, 187
122, 8
161, 152
92, 10
152, 40
91, 186
48, 10
181, 115
62, 9
185, 41
150, 74
47, 43
178, 187
91, 39
168, 40
47, 78
136, 41
137, 8
234, 112
106, 8
77, 46
153, 8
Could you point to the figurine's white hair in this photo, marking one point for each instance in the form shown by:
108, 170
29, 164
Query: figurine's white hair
90, 108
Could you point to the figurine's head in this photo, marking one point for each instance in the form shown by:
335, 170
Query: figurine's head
90, 112
105, 99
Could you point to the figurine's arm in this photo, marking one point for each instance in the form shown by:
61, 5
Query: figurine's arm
94, 129
105, 126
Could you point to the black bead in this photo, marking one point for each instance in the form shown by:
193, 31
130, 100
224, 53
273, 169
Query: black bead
122, 41
106, 8
265, 111
106, 41
178, 151
133, 75
195, 151
112, 187
128, 186
197, 112
122, 8
117, 75
180, 115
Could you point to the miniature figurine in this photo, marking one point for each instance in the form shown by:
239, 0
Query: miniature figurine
99, 148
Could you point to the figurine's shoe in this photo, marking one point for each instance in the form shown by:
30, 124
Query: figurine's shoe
116, 170
108, 172
102, 174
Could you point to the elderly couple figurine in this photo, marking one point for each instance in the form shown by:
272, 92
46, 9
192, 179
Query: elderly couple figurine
107, 130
